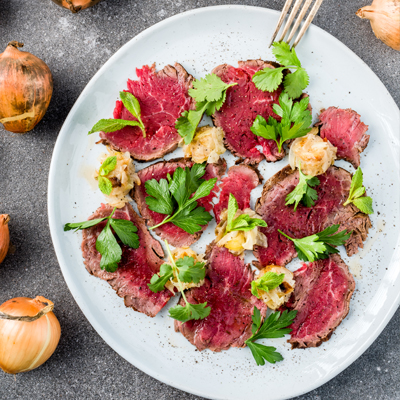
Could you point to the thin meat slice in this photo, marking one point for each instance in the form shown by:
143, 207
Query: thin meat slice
328, 210
176, 236
242, 105
227, 291
136, 267
240, 181
162, 96
322, 299
344, 129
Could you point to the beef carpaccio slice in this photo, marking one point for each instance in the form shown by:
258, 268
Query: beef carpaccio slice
344, 129
322, 299
176, 236
162, 96
242, 105
136, 267
227, 291
240, 181
328, 210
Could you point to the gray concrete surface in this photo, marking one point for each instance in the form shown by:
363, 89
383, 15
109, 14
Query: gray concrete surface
75, 47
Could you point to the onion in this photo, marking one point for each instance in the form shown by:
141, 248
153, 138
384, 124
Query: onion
26, 86
29, 333
384, 16
76, 5
4, 236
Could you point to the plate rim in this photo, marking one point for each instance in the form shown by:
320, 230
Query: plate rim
85, 308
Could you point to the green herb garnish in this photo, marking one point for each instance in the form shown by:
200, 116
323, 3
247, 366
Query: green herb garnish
357, 190
304, 191
269, 79
269, 281
295, 121
106, 244
275, 326
184, 270
108, 166
243, 222
177, 198
210, 94
131, 103
319, 246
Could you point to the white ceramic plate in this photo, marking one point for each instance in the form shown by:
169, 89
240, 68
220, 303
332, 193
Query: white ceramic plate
200, 40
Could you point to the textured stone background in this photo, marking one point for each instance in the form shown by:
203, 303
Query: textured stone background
75, 47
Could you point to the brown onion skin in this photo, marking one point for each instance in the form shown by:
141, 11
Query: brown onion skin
4, 236
14, 361
26, 86
76, 5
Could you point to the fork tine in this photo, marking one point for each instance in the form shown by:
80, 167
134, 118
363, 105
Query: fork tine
293, 13
281, 18
308, 21
298, 20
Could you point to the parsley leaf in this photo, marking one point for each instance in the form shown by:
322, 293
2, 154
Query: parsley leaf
243, 222
178, 198
319, 245
303, 191
210, 88
158, 281
105, 185
131, 103
159, 199
108, 247
356, 194
210, 94
189, 271
108, 166
189, 311
184, 270
106, 244
295, 121
269, 79
275, 326
269, 281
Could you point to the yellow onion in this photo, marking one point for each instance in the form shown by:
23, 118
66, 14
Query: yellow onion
29, 333
76, 5
384, 16
4, 236
26, 86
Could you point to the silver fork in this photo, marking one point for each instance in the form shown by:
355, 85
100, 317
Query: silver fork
300, 17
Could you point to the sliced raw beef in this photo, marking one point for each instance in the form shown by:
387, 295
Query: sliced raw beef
176, 236
328, 210
322, 299
163, 96
136, 267
227, 291
241, 180
242, 105
345, 131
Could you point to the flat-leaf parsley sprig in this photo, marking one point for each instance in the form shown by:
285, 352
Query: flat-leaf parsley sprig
177, 198
303, 191
243, 222
320, 245
269, 281
106, 244
210, 94
108, 166
295, 121
275, 326
131, 103
269, 79
356, 194
183, 270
